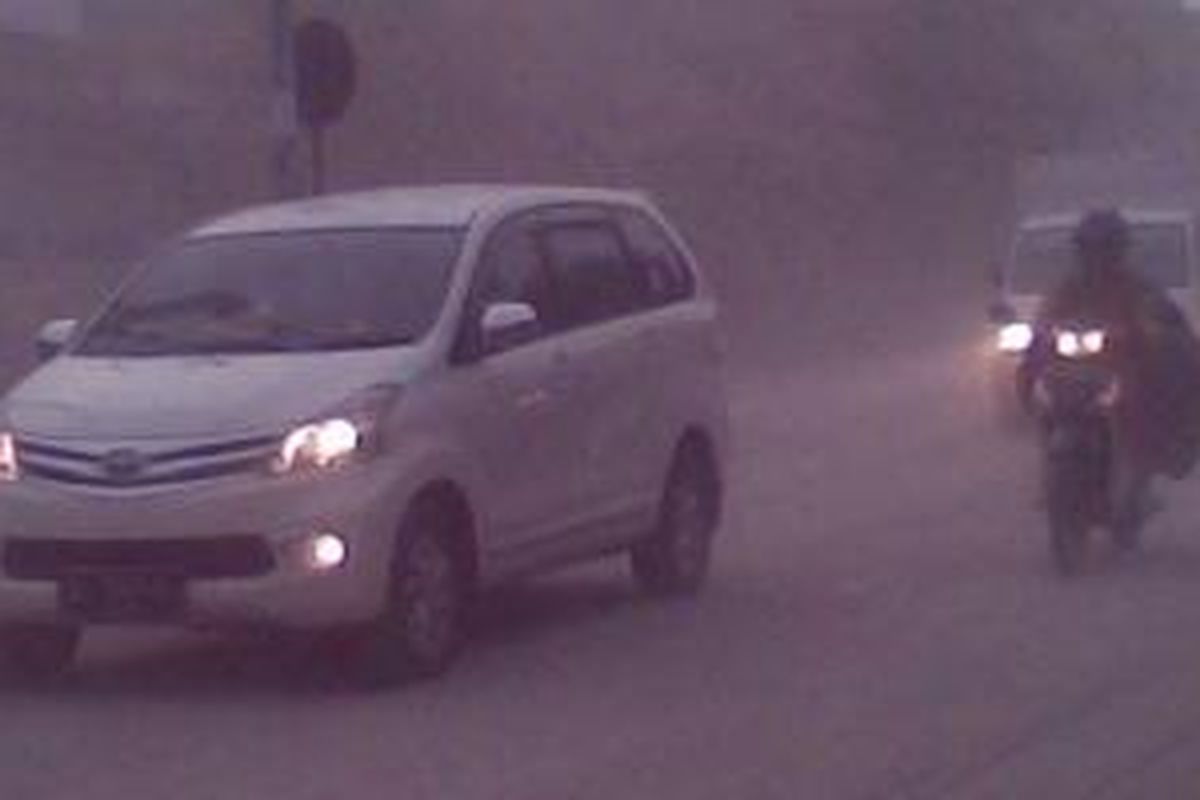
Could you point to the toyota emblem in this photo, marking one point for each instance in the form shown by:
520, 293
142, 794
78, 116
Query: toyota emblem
124, 465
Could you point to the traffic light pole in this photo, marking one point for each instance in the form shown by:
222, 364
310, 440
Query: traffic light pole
284, 101
317, 135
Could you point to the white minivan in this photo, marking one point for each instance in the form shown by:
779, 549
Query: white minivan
352, 413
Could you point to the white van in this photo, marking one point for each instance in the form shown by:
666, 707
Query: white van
352, 413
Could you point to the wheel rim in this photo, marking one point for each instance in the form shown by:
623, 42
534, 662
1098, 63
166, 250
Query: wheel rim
429, 595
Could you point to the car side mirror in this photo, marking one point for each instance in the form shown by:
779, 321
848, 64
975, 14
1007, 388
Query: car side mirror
54, 336
504, 326
1001, 313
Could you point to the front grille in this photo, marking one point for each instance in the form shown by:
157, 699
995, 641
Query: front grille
121, 467
215, 557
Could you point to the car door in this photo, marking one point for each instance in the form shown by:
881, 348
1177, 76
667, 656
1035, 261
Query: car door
678, 339
601, 300
520, 421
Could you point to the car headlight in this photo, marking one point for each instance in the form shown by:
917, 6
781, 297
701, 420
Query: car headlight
351, 431
9, 470
1080, 344
319, 445
1015, 337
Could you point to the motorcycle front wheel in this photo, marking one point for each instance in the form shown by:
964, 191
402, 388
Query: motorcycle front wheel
1067, 511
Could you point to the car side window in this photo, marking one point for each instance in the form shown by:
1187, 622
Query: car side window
591, 270
511, 270
667, 274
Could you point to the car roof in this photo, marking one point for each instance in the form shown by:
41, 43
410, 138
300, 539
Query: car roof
1134, 216
449, 206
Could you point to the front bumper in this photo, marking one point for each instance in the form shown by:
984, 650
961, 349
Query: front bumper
354, 504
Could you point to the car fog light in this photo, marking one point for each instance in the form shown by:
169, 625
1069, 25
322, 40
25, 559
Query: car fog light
325, 551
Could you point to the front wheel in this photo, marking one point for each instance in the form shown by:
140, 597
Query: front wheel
419, 633
1068, 516
675, 559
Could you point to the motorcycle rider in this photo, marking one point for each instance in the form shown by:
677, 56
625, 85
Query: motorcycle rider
1149, 346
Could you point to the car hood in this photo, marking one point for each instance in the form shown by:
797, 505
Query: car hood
184, 397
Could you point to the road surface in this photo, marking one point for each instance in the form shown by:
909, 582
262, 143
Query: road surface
882, 624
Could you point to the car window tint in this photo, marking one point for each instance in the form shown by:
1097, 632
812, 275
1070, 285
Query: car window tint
513, 272
594, 278
667, 275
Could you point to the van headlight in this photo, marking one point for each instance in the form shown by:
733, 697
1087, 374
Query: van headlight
319, 445
9, 470
1015, 337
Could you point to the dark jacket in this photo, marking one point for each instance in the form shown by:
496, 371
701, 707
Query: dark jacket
1154, 352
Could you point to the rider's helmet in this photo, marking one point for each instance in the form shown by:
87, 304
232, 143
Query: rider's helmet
1102, 238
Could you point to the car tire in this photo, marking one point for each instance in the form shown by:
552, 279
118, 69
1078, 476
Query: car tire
419, 632
675, 559
38, 652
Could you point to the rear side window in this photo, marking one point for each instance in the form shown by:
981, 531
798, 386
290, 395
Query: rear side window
667, 275
592, 272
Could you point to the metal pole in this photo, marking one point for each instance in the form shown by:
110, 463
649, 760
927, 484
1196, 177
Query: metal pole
318, 159
284, 101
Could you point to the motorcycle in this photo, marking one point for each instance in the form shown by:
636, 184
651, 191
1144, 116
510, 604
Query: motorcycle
1074, 398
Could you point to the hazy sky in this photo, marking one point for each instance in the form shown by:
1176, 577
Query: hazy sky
55, 17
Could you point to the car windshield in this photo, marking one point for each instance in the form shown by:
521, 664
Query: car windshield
299, 291
1044, 257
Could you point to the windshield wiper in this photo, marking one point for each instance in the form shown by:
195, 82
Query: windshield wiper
365, 342
121, 340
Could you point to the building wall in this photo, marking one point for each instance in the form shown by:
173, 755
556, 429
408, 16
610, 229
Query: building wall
146, 115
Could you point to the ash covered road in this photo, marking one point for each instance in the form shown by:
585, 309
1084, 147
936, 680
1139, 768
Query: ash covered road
882, 623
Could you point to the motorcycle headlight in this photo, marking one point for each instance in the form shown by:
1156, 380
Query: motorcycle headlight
319, 445
1079, 344
9, 470
1067, 344
1015, 337
1093, 342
